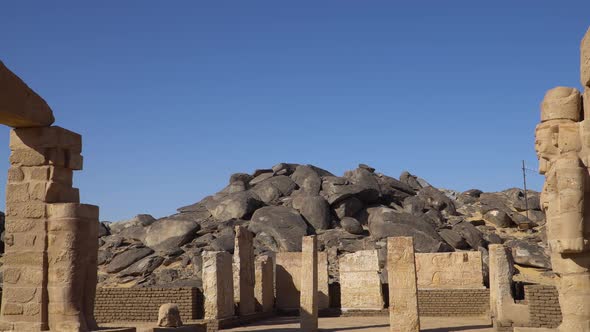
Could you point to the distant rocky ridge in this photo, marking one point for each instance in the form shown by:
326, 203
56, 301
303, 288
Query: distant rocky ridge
356, 211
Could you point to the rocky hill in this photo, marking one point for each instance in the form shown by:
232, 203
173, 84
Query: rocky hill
352, 212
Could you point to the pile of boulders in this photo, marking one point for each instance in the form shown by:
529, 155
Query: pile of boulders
356, 211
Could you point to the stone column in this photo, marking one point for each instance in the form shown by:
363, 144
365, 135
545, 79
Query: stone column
264, 290
218, 289
72, 278
403, 292
243, 271
40, 173
309, 284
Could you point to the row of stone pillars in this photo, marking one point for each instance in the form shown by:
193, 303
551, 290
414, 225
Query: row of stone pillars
252, 285
401, 270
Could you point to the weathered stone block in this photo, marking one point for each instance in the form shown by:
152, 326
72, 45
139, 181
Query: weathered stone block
27, 209
218, 285
15, 174
561, 103
360, 283
28, 158
20, 106
45, 137
449, 270
288, 280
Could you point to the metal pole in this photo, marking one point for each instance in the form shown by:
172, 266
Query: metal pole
526, 201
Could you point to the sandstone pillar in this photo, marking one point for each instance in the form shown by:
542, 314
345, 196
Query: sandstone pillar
72, 278
309, 284
360, 283
218, 288
264, 284
40, 174
403, 297
243, 271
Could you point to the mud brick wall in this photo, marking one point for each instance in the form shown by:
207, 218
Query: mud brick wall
453, 302
543, 304
142, 304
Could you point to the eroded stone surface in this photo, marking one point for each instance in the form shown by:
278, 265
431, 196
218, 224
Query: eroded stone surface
360, 283
169, 315
449, 270
51, 239
288, 280
403, 297
19, 105
264, 283
218, 288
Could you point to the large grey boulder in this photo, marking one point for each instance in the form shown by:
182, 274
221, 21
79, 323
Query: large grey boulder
453, 238
438, 200
141, 220
126, 258
499, 218
367, 181
270, 190
142, 267
529, 253
351, 225
167, 235
471, 234
284, 168
238, 205
308, 179
103, 229
410, 180
347, 207
283, 224
393, 190
315, 209
336, 189
385, 222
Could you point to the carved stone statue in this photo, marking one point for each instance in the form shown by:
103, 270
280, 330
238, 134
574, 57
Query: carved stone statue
563, 147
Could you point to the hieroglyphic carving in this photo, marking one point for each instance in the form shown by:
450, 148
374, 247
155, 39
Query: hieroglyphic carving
360, 283
449, 270
403, 296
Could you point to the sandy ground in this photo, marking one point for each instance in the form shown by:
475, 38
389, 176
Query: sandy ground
371, 324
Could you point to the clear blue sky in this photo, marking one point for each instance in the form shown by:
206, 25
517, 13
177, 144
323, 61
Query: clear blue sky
172, 97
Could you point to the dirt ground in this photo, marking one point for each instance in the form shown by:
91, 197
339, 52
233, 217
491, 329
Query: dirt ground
371, 324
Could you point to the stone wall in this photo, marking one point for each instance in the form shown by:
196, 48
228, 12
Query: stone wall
543, 306
453, 302
142, 304
449, 270
288, 280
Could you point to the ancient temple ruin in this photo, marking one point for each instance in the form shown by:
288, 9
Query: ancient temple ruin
51, 249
